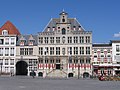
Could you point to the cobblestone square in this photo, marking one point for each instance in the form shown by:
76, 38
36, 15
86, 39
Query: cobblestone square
29, 83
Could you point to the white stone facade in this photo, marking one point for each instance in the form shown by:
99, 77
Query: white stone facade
7, 53
65, 49
116, 56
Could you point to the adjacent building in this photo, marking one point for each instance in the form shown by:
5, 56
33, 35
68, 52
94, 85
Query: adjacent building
26, 55
116, 56
102, 59
8, 37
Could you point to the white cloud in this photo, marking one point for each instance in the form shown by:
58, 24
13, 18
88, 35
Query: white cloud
117, 35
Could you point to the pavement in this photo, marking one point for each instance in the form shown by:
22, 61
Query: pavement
29, 83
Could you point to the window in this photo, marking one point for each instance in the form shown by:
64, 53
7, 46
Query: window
26, 51
41, 40
35, 68
11, 61
63, 39
76, 60
75, 50
51, 60
1, 41
102, 50
11, 51
51, 39
41, 61
1, 51
46, 60
87, 50
69, 39
6, 51
30, 51
70, 50
63, 31
57, 50
46, 39
81, 50
108, 55
87, 39
30, 69
46, 51
70, 59
102, 56
57, 39
117, 48
81, 60
41, 50
6, 41
81, 38
75, 39
95, 56
1, 61
108, 50
95, 50
58, 27
63, 51
21, 51
4, 32
51, 50
32, 62
12, 41
57, 60
88, 60
6, 61
63, 20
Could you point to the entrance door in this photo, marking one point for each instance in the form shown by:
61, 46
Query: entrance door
57, 66
21, 68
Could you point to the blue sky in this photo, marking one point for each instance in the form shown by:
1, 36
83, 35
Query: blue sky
102, 17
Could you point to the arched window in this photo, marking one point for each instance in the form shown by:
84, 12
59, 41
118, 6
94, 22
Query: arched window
63, 31
4, 32
63, 20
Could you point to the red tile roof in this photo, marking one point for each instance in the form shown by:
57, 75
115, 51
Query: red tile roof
12, 30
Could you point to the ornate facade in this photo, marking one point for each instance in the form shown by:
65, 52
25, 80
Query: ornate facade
64, 48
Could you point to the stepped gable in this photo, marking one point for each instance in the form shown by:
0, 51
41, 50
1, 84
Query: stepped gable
12, 30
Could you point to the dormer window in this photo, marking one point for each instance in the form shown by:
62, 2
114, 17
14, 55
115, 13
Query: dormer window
31, 42
4, 32
22, 42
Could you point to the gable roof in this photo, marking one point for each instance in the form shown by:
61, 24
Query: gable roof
72, 21
12, 30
